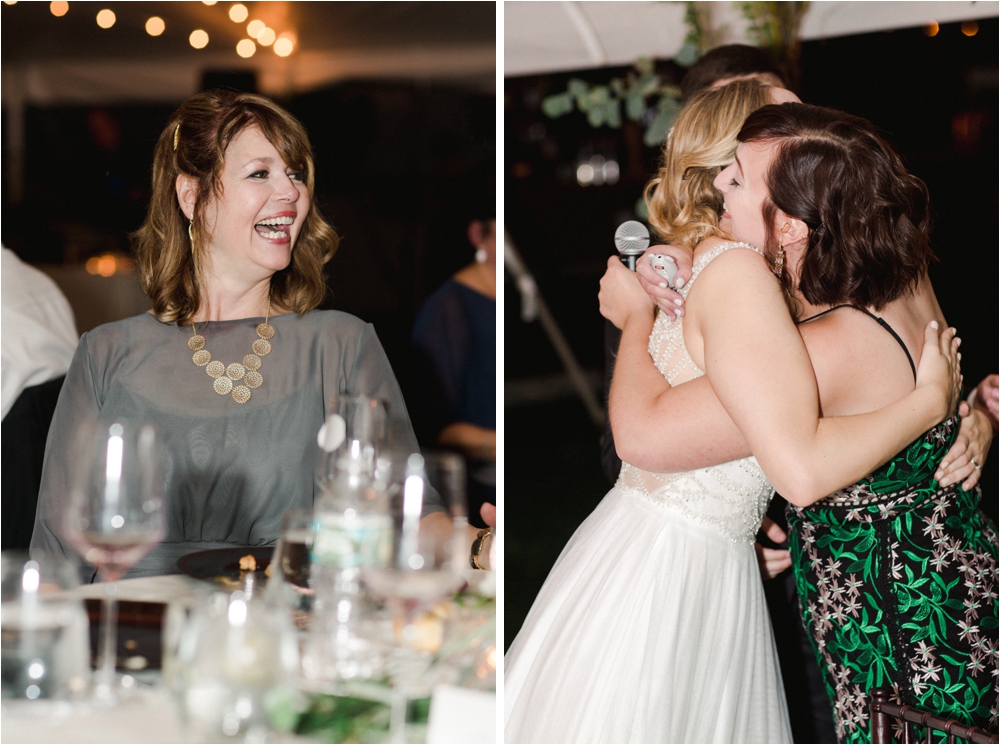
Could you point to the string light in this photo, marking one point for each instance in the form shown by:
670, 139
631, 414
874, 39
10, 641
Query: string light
283, 47
58, 8
106, 18
285, 44
198, 39
238, 13
266, 37
246, 48
155, 26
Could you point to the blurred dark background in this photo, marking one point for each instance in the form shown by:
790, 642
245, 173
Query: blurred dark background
934, 96
398, 100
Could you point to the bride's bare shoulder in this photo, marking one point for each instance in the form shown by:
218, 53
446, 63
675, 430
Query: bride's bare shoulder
749, 253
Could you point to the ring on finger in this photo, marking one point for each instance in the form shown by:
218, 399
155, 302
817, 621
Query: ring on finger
974, 464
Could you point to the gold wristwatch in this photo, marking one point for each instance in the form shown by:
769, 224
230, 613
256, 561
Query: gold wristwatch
477, 547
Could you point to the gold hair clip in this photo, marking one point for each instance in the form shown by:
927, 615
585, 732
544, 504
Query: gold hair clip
177, 135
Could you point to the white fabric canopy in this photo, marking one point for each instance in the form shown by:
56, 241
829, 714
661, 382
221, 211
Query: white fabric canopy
542, 37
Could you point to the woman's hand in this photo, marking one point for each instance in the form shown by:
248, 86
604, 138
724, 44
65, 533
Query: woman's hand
621, 296
986, 396
669, 302
772, 561
968, 455
939, 369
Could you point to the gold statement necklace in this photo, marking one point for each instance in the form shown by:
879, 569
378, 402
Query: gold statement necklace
226, 376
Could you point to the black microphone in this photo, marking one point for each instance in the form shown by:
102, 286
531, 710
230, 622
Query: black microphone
631, 240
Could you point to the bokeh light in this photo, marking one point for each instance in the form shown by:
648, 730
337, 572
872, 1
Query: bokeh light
209, 2
266, 37
932, 28
246, 48
255, 27
155, 26
105, 266
198, 39
10, 2
283, 46
58, 8
238, 13
106, 18
970, 28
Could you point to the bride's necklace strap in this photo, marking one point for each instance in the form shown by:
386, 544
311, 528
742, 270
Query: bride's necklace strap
225, 376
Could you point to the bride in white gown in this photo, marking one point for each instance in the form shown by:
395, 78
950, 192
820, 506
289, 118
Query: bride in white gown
652, 625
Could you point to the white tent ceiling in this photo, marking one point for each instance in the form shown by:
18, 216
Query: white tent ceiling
542, 37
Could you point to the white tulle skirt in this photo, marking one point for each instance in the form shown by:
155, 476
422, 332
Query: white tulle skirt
651, 627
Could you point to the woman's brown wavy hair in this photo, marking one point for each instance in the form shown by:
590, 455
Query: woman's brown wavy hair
194, 143
868, 219
682, 202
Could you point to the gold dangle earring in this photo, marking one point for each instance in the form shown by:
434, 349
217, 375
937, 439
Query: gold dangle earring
779, 260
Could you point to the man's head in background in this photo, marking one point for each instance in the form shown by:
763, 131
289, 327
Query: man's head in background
728, 63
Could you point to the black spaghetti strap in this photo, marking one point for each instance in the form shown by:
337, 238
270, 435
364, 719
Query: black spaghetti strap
881, 322
828, 310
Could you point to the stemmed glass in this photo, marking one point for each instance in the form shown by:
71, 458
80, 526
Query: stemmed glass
426, 565
115, 516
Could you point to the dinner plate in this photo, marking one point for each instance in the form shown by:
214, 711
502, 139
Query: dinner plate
223, 564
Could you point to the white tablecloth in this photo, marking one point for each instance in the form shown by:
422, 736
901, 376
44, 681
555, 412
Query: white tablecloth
457, 715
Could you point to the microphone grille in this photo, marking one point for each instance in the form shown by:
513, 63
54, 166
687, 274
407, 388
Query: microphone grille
631, 238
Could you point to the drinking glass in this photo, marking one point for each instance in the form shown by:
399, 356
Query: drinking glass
356, 429
114, 517
426, 565
45, 647
289, 585
236, 660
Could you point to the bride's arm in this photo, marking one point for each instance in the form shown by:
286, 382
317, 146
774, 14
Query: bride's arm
686, 429
758, 366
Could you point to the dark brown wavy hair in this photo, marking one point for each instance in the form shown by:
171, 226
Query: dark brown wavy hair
194, 143
868, 219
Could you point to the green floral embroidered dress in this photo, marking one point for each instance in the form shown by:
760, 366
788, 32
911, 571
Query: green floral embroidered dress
897, 583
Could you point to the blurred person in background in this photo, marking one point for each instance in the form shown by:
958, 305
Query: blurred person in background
37, 341
455, 337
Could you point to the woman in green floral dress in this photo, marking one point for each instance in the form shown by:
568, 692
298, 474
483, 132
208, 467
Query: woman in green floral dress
897, 579
897, 573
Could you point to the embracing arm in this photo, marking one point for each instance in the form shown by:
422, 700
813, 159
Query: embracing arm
758, 366
664, 429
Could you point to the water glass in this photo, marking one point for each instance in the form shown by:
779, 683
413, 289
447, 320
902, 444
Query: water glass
45, 646
236, 663
356, 429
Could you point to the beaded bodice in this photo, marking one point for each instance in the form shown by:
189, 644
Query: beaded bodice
731, 497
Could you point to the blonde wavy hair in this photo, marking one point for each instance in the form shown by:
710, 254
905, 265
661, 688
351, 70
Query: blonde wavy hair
682, 202
194, 143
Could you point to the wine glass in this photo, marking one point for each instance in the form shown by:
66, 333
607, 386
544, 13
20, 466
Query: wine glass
426, 565
115, 516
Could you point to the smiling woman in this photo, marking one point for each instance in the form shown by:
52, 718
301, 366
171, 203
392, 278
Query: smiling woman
231, 254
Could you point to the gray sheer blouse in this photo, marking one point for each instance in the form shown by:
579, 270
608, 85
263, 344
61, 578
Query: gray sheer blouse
232, 469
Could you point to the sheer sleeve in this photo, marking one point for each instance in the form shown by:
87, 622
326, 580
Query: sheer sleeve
371, 375
79, 402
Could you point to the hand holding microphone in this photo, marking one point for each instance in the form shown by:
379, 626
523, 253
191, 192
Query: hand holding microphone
632, 240
658, 276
